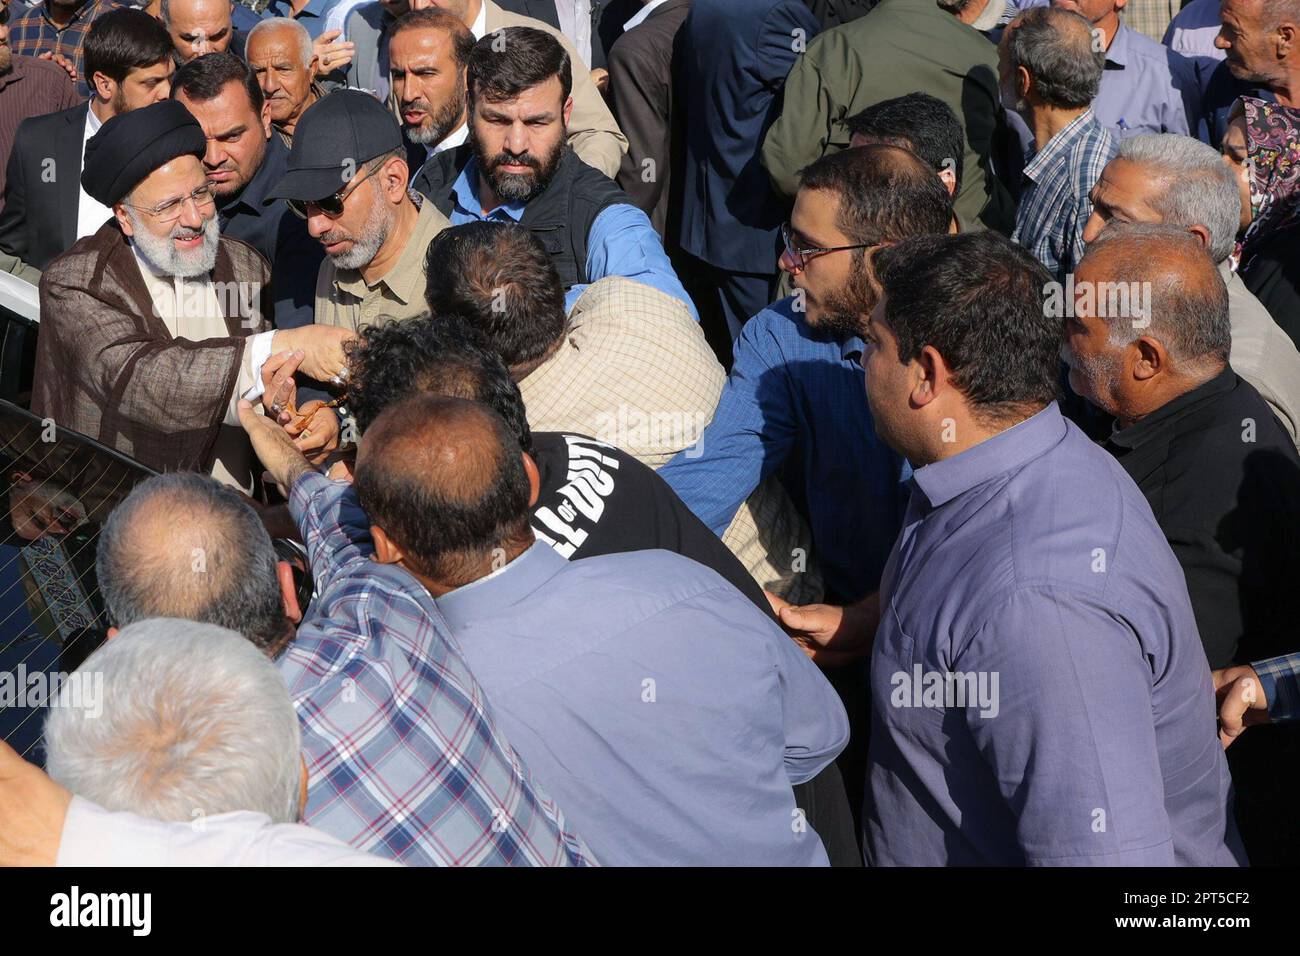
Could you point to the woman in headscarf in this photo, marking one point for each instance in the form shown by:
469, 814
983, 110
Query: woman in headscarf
1262, 145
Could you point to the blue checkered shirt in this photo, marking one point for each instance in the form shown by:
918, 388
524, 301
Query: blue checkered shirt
33, 33
404, 758
1054, 203
1279, 678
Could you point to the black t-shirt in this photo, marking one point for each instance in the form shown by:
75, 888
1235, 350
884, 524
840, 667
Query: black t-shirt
596, 499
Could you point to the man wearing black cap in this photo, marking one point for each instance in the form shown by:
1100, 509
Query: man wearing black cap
348, 177
153, 327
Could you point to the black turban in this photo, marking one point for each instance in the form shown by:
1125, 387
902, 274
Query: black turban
131, 146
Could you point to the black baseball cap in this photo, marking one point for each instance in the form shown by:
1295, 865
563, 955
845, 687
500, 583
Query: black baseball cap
336, 134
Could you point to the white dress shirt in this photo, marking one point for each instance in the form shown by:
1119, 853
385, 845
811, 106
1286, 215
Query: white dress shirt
91, 213
93, 836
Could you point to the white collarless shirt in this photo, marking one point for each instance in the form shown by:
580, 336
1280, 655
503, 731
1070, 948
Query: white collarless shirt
91, 213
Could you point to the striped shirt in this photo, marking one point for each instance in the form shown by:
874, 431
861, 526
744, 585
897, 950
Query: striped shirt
1279, 678
35, 33
30, 88
1054, 203
404, 757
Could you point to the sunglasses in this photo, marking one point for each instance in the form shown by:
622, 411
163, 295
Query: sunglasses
331, 206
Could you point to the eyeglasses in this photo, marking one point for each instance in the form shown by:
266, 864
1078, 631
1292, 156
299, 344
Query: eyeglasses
170, 210
331, 206
800, 255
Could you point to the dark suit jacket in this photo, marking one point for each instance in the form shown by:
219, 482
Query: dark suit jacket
43, 187
641, 93
438, 172
544, 10
732, 61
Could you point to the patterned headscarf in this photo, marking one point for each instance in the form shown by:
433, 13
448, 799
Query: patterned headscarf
1273, 156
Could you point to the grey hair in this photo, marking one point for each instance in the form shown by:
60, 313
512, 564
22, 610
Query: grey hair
285, 23
1188, 305
1195, 186
183, 545
192, 721
1055, 46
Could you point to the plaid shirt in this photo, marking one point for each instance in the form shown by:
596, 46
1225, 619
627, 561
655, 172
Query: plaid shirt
1054, 204
1279, 678
403, 756
34, 33
1151, 17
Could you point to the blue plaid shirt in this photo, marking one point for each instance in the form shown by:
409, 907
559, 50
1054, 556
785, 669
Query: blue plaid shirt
1054, 203
1279, 678
403, 756
796, 400
34, 33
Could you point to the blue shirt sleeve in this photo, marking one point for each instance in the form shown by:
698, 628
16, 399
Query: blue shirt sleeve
1069, 739
623, 243
752, 431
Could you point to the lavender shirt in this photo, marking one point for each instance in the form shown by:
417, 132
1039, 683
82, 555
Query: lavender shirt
1079, 727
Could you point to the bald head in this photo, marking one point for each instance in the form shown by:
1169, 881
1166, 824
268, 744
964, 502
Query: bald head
444, 479
1055, 48
183, 546
1188, 301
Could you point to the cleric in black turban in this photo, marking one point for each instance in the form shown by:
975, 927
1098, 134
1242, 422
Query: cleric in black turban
132, 145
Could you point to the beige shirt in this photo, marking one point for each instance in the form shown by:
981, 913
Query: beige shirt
191, 310
1262, 353
634, 370
343, 297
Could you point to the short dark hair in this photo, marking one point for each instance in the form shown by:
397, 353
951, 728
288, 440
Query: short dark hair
1055, 47
500, 278
204, 77
920, 122
123, 40
435, 18
885, 193
979, 299
508, 61
439, 356
447, 517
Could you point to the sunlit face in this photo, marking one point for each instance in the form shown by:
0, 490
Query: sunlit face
275, 57
1120, 195
457, 8
1236, 154
518, 142
1094, 11
829, 286
198, 27
1096, 364
352, 239
1246, 42
141, 87
236, 137
185, 246
428, 84
395, 8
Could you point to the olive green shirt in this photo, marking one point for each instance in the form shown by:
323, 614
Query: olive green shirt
344, 298
900, 47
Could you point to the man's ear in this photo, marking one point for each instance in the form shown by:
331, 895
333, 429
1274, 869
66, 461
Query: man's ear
948, 176
266, 118
568, 110
1151, 360
288, 592
105, 87
932, 377
1202, 234
534, 479
1024, 82
123, 220
112, 633
396, 176
386, 550
1286, 38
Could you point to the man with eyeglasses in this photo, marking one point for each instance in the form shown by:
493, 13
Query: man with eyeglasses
154, 327
348, 178
794, 403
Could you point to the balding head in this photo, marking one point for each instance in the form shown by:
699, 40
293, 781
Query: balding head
444, 480
183, 546
1047, 56
1150, 318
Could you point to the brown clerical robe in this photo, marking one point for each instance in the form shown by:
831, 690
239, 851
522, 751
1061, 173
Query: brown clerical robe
107, 366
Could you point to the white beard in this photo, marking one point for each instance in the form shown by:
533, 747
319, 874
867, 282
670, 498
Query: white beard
164, 258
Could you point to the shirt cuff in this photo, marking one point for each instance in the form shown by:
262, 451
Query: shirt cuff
257, 351
1279, 679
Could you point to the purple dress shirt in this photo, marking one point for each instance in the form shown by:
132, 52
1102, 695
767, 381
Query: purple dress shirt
1075, 724
1146, 88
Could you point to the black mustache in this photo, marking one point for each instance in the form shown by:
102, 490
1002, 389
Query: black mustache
524, 159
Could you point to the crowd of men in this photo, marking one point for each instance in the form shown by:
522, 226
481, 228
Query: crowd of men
722, 432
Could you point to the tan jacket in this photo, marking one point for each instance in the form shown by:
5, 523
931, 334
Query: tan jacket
634, 370
593, 133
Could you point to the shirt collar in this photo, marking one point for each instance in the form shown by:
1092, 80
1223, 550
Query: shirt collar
502, 588
1058, 147
77, 15
1118, 53
1153, 425
942, 481
93, 122
480, 22
405, 280
451, 140
466, 188
851, 348
642, 14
